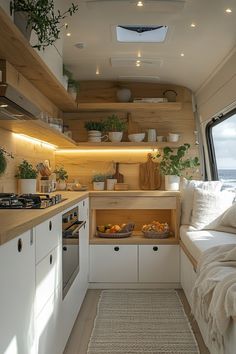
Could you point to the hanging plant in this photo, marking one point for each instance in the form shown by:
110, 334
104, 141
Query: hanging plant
43, 19
3, 160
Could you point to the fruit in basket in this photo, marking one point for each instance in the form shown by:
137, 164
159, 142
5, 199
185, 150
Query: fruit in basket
109, 228
156, 226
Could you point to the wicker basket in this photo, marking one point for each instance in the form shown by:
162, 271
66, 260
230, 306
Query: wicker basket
154, 234
114, 235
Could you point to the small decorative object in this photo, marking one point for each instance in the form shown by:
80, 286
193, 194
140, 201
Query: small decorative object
98, 182
121, 186
170, 95
3, 160
61, 177
156, 230
123, 94
110, 182
173, 137
115, 126
40, 16
172, 165
151, 135
26, 175
136, 138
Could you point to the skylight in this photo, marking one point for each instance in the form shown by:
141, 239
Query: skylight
141, 33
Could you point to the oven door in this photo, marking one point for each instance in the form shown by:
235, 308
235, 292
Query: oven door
70, 255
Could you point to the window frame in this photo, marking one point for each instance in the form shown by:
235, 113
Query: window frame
210, 144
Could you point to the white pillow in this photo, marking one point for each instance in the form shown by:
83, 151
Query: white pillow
229, 217
208, 206
187, 188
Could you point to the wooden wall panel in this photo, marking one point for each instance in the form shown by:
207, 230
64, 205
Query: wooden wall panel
21, 149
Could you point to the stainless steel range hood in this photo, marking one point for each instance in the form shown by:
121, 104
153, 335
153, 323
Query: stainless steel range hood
15, 106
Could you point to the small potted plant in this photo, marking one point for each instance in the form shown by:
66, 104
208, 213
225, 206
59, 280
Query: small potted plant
110, 182
98, 182
172, 165
26, 175
61, 177
115, 127
41, 17
95, 129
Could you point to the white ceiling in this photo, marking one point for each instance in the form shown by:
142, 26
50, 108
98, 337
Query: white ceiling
204, 46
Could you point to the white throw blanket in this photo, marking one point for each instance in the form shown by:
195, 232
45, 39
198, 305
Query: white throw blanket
214, 292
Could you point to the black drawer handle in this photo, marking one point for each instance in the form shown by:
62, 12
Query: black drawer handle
19, 245
116, 249
64, 248
50, 225
50, 259
155, 248
83, 203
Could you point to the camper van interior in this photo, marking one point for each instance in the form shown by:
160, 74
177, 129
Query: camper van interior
117, 177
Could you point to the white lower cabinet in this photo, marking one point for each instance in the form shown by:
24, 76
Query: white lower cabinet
110, 263
158, 263
17, 291
187, 275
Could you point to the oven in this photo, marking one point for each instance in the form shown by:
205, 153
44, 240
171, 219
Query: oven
71, 226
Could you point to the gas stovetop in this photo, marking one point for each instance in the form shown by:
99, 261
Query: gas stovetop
28, 201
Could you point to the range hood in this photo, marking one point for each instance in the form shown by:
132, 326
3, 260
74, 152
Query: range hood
15, 106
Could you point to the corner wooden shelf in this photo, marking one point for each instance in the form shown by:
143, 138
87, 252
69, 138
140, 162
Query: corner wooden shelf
124, 145
16, 50
39, 130
117, 106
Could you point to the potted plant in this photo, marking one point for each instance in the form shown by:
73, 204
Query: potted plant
98, 182
110, 182
95, 129
40, 16
172, 165
61, 177
115, 127
3, 160
72, 86
26, 175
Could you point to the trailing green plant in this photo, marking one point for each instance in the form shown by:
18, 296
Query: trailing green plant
26, 171
94, 125
114, 124
175, 163
3, 160
61, 173
71, 82
99, 177
43, 18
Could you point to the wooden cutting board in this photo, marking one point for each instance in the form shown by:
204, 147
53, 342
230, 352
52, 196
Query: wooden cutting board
149, 174
118, 175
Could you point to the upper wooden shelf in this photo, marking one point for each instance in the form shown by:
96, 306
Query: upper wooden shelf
39, 130
117, 106
16, 50
125, 145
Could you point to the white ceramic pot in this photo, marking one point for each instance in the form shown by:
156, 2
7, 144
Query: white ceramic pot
61, 185
123, 95
98, 186
72, 91
111, 183
172, 183
115, 137
173, 137
27, 186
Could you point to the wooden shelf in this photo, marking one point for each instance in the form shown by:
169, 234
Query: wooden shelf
136, 239
17, 51
39, 130
125, 145
117, 106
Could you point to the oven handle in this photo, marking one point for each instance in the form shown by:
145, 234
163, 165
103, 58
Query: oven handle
76, 230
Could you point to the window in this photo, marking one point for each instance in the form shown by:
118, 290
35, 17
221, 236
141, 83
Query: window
221, 134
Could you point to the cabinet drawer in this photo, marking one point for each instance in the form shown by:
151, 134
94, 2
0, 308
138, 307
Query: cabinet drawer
110, 263
159, 263
133, 203
48, 277
47, 235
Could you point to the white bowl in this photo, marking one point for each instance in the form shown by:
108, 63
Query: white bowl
136, 138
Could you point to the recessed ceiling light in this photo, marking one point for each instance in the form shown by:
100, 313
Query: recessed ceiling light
193, 25
182, 54
3, 105
138, 64
139, 54
68, 34
139, 3
228, 11
66, 25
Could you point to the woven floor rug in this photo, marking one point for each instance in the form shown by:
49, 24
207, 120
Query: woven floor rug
141, 321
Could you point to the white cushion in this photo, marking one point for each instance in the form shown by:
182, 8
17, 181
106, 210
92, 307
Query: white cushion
208, 206
198, 241
229, 217
187, 188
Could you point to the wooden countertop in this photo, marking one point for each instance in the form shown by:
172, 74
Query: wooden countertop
13, 222
134, 193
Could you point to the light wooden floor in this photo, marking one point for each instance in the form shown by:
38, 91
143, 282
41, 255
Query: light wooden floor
79, 338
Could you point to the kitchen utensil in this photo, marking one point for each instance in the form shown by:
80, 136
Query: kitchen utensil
149, 175
118, 175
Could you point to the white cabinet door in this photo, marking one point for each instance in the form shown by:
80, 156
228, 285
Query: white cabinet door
84, 210
187, 275
17, 289
158, 263
110, 263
